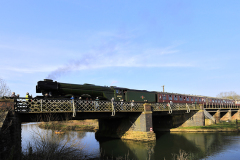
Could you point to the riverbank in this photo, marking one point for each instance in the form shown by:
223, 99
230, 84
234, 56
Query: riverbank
231, 126
71, 125
92, 125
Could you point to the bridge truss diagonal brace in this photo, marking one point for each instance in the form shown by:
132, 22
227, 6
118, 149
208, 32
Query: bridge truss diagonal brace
209, 116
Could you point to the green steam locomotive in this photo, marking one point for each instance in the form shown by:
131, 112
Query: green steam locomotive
56, 89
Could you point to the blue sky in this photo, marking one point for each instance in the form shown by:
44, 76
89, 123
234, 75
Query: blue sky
190, 46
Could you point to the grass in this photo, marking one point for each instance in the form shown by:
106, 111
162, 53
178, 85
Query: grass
181, 156
73, 125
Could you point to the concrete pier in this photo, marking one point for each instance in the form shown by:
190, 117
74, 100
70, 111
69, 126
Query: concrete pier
217, 116
138, 126
236, 115
226, 116
196, 119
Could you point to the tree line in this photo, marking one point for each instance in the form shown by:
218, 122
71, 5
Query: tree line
4, 89
229, 95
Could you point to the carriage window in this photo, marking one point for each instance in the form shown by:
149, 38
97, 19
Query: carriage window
195, 99
170, 97
191, 98
180, 98
184, 98
200, 100
175, 98
164, 97
187, 98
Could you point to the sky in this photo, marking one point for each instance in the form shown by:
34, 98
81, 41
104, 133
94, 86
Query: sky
189, 46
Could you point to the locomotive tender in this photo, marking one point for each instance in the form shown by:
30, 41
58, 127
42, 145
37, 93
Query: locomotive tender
89, 91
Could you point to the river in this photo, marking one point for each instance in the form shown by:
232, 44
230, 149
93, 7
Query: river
200, 146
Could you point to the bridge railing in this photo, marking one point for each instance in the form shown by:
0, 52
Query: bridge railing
84, 105
67, 105
221, 106
175, 106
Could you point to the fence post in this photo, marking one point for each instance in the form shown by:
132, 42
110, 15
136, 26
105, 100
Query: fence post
41, 105
113, 110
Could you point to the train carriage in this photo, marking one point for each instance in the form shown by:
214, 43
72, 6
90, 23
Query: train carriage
177, 98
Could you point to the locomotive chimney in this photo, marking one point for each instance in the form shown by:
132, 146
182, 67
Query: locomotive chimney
49, 80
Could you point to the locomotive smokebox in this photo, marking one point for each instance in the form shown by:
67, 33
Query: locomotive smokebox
46, 86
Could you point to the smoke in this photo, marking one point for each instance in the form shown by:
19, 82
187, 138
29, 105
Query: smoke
59, 72
71, 66
98, 56
113, 82
118, 51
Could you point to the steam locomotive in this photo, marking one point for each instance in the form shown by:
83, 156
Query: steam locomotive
56, 89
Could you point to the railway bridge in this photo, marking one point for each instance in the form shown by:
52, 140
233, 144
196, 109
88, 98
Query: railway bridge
125, 120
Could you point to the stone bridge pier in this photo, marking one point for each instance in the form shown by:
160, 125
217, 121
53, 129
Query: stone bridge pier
134, 126
10, 131
226, 115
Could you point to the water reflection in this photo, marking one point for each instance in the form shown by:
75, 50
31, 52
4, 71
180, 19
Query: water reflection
126, 148
82, 140
198, 145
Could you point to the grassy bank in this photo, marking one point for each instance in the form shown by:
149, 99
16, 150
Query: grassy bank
231, 126
72, 125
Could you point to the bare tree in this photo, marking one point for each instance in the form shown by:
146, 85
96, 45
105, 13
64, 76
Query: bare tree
229, 95
4, 89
